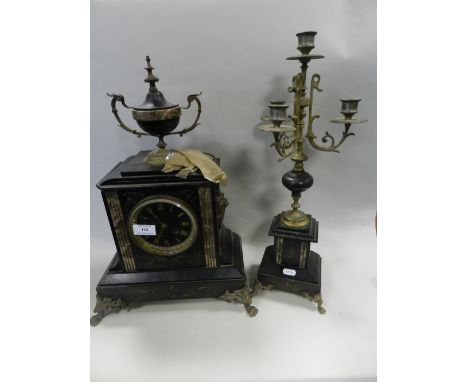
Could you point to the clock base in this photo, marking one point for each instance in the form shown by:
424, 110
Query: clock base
305, 282
117, 288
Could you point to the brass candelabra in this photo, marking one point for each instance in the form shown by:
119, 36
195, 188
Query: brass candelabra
289, 138
289, 264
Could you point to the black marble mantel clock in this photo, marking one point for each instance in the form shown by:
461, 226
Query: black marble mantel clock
167, 225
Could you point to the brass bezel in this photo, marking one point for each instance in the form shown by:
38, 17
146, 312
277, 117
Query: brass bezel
156, 249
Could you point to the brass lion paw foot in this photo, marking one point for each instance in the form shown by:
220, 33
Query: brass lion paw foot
241, 296
105, 306
316, 298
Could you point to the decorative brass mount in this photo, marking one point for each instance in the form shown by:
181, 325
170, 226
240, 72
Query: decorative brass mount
105, 306
289, 138
241, 296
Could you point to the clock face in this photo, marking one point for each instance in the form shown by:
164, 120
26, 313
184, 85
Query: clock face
163, 225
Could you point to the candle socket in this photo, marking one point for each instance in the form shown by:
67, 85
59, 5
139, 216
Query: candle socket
349, 107
277, 112
305, 42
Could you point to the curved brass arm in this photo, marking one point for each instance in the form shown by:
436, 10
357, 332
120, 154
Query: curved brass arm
285, 144
314, 85
285, 141
120, 98
328, 137
190, 99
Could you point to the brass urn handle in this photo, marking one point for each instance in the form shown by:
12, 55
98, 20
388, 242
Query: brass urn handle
120, 98
190, 99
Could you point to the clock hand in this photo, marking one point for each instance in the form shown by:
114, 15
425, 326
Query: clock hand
158, 237
155, 216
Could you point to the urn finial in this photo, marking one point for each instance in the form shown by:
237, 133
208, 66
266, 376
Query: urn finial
150, 78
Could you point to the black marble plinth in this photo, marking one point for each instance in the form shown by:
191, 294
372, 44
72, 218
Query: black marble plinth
182, 283
305, 281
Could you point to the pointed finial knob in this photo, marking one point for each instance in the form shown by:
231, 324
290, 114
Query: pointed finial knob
151, 78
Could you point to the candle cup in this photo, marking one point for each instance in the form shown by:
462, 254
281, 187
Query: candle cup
277, 112
349, 107
305, 42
